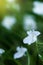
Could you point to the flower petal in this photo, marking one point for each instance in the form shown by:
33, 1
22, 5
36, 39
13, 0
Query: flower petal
18, 55
29, 32
36, 33
30, 39
2, 51
34, 39
18, 48
23, 49
20, 52
27, 40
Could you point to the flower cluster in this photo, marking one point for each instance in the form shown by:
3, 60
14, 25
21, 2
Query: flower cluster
31, 38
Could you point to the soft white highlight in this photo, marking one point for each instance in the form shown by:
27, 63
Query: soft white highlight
10, 1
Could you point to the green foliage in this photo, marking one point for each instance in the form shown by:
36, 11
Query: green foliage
10, 39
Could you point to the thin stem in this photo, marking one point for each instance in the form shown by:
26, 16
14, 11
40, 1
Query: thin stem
28, 57
37, 53
37, 47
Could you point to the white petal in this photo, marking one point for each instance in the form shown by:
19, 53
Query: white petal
20, 52
2, 51
18, 55
34, 39
36, 33
23, 49
29, 32
30, 39
27, 40
18, 48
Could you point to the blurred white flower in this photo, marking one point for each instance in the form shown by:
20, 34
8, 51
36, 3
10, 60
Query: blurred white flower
32, 37
8, 21
29, 22
38, 7
16, 6
2, 51
20, 52
10, 1
39, 55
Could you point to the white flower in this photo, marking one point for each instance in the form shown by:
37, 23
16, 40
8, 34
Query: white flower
2, 51
32, 37
20, 52
8, 21
38, 7
29, 22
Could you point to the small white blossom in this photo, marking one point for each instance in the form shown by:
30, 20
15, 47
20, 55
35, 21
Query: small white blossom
20, 52
29, 22
32, 37
8, 21
38, 7
2, 51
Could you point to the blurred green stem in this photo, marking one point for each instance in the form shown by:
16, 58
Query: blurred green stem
28, 57
36, 46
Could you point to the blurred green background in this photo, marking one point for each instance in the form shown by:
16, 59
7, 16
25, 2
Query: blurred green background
11, 38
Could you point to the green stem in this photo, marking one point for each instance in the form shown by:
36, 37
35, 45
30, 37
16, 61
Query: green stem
37, 47
28, 58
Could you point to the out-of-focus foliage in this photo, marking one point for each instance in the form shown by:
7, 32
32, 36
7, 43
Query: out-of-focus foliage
11, 38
